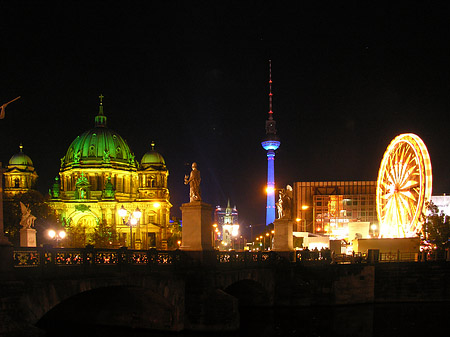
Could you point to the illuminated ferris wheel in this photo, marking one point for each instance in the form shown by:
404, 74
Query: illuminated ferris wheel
403, 186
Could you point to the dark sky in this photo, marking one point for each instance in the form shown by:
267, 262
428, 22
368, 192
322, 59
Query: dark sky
193, 77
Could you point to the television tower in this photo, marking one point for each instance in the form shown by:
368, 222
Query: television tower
270, 144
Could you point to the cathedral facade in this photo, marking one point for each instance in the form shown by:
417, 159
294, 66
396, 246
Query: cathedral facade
99, 175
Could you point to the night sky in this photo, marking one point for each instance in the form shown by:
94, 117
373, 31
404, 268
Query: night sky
193, 77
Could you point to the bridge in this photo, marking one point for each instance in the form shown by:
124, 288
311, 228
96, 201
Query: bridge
201, 291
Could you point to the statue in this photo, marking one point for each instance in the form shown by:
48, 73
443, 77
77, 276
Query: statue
194, 183
280, 204
106, 156
284, 204
77, 156
27, 220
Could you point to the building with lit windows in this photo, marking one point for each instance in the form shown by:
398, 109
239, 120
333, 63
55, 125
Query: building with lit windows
327, 207
227, 221
99, 175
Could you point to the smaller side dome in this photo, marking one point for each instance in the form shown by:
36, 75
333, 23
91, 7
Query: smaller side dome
152, 158
20, 159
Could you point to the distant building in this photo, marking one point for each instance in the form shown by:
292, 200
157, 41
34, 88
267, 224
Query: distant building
327, 207
228, 223
442, 202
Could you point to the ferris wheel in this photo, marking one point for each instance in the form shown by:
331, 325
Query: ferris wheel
403, 186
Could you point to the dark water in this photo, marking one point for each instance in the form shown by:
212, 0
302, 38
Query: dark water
405, 319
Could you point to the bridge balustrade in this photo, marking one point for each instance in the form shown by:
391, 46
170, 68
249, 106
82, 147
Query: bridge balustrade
245, 257
43, 257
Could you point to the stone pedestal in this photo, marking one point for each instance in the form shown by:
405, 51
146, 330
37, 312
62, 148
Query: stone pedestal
27, 237
283, 240
197, 226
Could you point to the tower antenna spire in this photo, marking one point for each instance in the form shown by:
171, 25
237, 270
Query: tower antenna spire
270, 90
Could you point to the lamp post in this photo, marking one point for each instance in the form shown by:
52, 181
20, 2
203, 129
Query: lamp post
213, 235
132, 220
272, 232
57, 236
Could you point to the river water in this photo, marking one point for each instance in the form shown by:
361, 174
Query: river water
403, 319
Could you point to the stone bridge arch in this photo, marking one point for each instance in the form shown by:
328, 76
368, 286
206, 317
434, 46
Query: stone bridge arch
250, 286
137, 298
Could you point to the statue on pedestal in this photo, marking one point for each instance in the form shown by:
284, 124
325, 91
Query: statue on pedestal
194, 183
284, 204
28, 219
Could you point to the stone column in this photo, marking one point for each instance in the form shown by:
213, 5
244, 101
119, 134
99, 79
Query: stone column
6, 248
283, 240
197, 226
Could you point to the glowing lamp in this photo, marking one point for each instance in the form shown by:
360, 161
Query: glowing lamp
305, 207
62, 234
122, 212
51, 233
270, 189
156, 205
137, 213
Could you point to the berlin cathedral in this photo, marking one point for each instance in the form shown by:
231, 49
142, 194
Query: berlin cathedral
101, 183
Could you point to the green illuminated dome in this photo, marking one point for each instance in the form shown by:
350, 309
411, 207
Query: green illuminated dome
152, 158
21, 160
99, 147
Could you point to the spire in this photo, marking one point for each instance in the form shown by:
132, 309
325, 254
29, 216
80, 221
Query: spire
100, 119
270, 123
21, 147
270, 90
153, 145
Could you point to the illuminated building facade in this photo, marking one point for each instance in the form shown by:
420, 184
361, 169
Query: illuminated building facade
20, 175
442, 202
99, 174
270, 144
228, 223
327, 207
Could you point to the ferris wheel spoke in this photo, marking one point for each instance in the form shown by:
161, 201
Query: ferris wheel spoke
407, 195
410, 184
408, 175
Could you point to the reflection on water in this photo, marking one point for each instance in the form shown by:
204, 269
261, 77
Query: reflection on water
385, 320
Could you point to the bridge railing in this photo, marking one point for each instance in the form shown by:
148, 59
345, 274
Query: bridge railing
246, 258
42, 257
46, 257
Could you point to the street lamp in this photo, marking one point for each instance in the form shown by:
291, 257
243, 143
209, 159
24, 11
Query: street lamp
213, 235
132, 221
57, 236
272, 232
